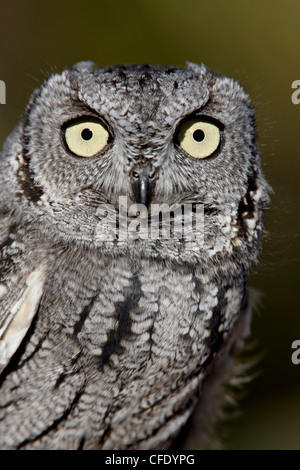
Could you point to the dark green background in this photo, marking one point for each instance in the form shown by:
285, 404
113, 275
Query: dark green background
258, 43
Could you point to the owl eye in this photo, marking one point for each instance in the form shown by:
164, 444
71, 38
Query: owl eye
198, 138
86, 138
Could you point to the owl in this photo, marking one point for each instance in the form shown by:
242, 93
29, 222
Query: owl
132, 203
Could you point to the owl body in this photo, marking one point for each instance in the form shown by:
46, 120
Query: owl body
109, 342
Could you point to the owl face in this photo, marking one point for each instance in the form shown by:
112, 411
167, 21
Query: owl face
145, 134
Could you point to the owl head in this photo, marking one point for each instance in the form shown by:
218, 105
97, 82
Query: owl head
140, 135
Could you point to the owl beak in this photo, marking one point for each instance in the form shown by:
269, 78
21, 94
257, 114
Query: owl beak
143, 186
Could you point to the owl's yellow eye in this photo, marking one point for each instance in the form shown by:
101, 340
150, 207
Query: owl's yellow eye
86, 138
198, 138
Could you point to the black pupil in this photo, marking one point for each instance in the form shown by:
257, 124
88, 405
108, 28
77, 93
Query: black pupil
198, 135
86, 134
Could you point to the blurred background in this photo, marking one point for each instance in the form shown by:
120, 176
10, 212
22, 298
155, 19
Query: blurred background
257, 42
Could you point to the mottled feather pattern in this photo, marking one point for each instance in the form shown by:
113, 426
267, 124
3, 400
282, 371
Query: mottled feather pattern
122, 336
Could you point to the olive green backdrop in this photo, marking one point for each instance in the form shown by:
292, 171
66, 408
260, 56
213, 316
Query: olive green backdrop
258, 43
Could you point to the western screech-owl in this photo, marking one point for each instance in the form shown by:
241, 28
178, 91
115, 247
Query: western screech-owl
131, 204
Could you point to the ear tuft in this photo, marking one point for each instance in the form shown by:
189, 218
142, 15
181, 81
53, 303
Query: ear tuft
199, 69
84, 66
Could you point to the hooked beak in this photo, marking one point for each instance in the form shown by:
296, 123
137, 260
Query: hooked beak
143, 186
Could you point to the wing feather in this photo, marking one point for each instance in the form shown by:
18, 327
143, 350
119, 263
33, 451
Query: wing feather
21, 316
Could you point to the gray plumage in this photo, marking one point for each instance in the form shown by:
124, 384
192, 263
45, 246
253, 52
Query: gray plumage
109, 344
